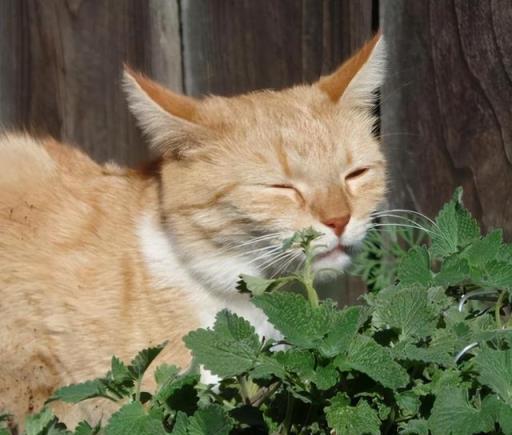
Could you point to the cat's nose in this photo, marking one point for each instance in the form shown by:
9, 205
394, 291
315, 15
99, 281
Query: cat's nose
337, 224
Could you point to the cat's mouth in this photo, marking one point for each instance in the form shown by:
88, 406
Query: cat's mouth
331, 253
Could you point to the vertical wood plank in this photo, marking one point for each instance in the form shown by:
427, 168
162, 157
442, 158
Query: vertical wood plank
446, 111
65, 59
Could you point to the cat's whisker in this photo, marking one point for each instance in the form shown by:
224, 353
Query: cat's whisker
401, 210
275, 260
411, 221
236, 247
264, 255
287, 264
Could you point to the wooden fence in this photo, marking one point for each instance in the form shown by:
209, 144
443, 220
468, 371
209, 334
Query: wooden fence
446, 107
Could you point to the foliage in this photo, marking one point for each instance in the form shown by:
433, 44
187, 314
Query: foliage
430, 352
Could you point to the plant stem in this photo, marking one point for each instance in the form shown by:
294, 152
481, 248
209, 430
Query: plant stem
244, 390
288, 416
137, 389
308, 279
497, 309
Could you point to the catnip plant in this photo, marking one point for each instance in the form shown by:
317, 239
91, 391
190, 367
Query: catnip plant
429, 351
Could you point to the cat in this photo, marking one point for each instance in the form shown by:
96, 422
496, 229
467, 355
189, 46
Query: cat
97, 260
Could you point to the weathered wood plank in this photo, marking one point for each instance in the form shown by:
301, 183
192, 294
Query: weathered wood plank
233, 46
62, 62
446, 108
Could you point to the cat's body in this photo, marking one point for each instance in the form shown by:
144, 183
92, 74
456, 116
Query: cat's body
98, 260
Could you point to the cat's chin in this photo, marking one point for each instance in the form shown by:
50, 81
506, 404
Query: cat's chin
335, 259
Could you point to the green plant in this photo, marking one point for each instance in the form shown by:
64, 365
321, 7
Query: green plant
431, 352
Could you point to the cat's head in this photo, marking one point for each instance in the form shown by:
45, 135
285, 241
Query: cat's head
241, 174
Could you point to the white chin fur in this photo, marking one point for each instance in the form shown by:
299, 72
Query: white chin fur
337, 260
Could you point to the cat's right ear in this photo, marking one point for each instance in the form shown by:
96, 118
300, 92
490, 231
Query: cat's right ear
165, 117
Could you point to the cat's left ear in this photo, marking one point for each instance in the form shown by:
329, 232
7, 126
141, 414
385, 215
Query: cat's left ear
356, 80
167, 118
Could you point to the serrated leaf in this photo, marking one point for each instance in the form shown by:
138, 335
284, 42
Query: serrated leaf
180, 424
165, 372
77, 392
414, 269
414, 427
482, 251
133, 419
407, 309
173, 391
495, 274
367, 356
292, 315
343, 330
120, 372
408, 402
325, 377
84, 428
452, 413
454, 270
255, 285
143, 359
267, 366
210, 421
499, 411
37, 424
454, 229
229, 349
495, 371
354, 420
505, 253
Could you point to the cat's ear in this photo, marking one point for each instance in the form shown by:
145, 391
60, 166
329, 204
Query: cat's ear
356, 80
167, 118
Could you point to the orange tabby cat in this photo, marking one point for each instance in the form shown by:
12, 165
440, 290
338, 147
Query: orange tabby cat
99, 260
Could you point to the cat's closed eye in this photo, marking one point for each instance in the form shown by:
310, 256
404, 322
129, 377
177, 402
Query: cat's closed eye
356, 173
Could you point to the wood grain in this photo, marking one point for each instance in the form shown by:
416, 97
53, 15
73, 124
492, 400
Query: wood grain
233, 46
62, 68
446, 107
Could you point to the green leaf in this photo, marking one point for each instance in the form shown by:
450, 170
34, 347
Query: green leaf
180, 424
37, 424
84, 428
353, 420
133, 419
343, 330
482, 251
229, 349
77, 392
267, 366
120, 372
368, 357
454, 270
455, 228
255, 285
499, 411
408, 310
210, 421
301, 324
495, 274
414, 427
409, 403
453, 414
143, 359
325, 377
414, 269
495, 371
178, 393
165, 372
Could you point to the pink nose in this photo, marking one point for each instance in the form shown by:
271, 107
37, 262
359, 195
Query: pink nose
337, 224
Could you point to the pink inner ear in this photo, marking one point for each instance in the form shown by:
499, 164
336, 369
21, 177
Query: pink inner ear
336, 83
178, 105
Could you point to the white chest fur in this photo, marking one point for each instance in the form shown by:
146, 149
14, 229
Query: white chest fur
167, 271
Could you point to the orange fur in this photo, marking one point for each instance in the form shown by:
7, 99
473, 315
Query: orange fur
100, 260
